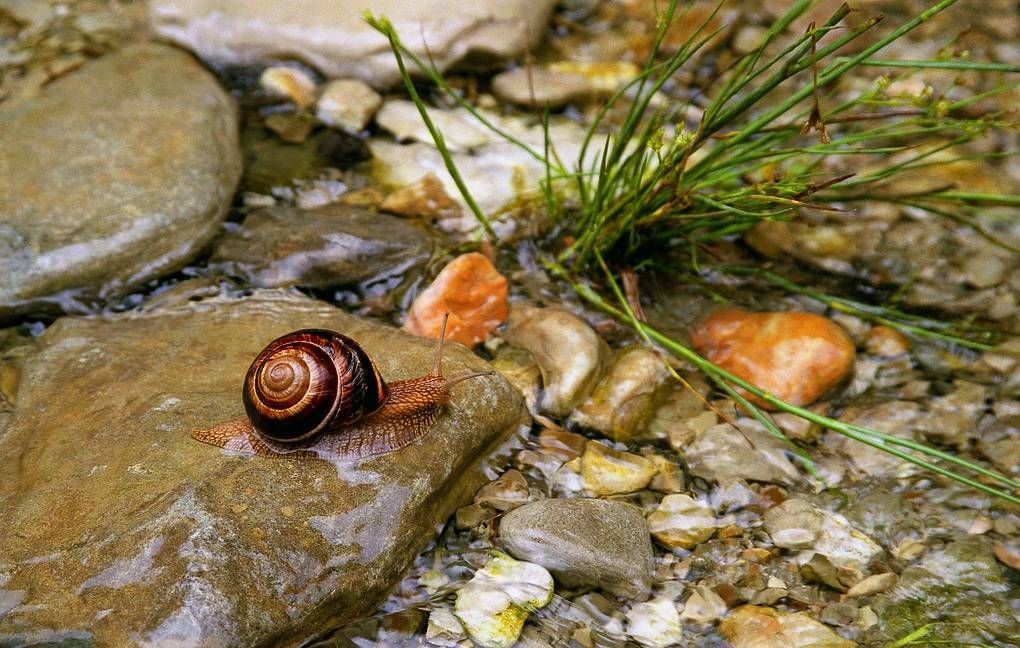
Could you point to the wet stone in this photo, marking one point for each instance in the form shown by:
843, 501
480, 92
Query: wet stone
569, 353
168, 540
722, 452
334, 245
106, 194
584, 542
471, 291
795, 356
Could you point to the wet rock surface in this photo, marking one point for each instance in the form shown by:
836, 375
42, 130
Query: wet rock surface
474, 295
333, 37
582, 542
795, 356
335, 245
117, 189
169, 540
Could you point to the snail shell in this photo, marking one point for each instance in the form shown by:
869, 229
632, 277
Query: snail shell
309, 381
316, 393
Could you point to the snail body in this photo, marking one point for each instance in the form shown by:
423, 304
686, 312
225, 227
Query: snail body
316, 393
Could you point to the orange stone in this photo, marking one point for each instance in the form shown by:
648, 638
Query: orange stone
795, 356
472, 291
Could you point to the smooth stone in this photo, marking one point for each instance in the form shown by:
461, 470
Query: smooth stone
795, 356
623, 401
1000, 444
722, 452
471, 291
606, 471
584, 542
289, 83
334, 245
508, 492
348, 104
681, 522
752, 626
799, 526
557, 84
106, 194
569, 352
191, 545
496, 602
655, 624
332, 35
426, 199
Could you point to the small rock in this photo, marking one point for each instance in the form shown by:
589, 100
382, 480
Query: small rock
886, 341
289, 83
952, 418
472, 515
495, 603
655, 624
461, 131
623, 401
703, 606
669, 478
557, 441
795, 356
348, 104
795, 524
682, 522
1007, 553
506, 493
873, 584
472, 291
425, 198
557, 84
1000, 444
722, 452
584, 542
331, 246
291, 127
444, 629
752, 626
568, 352
612, 472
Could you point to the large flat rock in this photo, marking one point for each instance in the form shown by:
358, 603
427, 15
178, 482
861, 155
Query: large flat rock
332, 36
121, 530
111, 176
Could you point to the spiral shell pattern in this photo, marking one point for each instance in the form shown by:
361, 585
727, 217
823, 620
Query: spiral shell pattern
310, 381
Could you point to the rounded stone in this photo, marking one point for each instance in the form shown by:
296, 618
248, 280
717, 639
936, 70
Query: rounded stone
114, 174
795, 356
584, 542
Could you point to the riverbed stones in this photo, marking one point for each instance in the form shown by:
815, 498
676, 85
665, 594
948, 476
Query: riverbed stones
570, 354
167, 541
107, 193
333, 36
753, 626
584, 542
348, 104
795, 356
334, 245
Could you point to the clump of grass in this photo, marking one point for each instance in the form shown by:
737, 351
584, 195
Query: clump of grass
660, 180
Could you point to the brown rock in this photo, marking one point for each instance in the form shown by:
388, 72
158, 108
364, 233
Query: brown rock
472, 291
425, 198
885, 341
795, 356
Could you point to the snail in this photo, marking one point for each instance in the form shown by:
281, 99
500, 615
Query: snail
316, 393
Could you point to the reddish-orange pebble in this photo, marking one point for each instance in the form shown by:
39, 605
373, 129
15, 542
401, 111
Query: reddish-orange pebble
795, 356
472, 291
